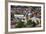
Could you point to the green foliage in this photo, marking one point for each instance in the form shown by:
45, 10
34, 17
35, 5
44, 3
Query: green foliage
38, 22
31, 23
20, 24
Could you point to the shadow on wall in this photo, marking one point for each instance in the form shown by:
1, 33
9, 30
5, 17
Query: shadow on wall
13, 33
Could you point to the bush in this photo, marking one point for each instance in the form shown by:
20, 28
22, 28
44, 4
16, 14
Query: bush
31, 23
20, 24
